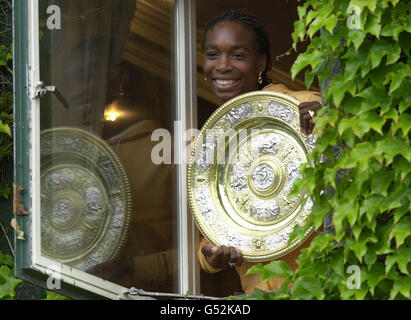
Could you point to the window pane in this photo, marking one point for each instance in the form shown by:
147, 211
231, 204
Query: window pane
106, 207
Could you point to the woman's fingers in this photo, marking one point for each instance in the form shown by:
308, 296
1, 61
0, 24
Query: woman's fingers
209, 249
232, 257
307, 111
240, 258
306, 123
311, 126
225, 260
222, 257
212, 254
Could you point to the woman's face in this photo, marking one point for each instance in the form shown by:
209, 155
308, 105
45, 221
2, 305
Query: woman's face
232, 60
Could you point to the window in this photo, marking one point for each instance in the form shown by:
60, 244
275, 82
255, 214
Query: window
104, 75
94, 80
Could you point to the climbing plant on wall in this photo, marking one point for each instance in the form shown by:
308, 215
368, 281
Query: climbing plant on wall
8, 282
364, 134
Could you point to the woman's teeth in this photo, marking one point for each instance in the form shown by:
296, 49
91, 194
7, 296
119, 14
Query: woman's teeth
224, 82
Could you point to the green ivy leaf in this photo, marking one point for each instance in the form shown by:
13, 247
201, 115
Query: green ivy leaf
401, 231
307, 287
373, 98
371, 206
5, 193
298, 233
351, 105
6, 259
402, 285
299, 32
330, 23
381, 181
349, 123
404, 123
360, 247
393, 29
339, 216
370, 4
321, 242
275, 269
4, 128
356, 37
8, 282
391, 147
401, 257
398, 213
337, 262
370, 256
390, 113
55, 296
396, 81
390, 260
360, 155
309, 78
321, 207
380, 49
384, 246
304, 60
375, 275
330, 175
373, 25
312, 14
339, 86
371, 120
315, 26
394, 54
302, 10
397, 196
361, 293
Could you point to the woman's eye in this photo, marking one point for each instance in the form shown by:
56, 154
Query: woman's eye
211, 55
238, 56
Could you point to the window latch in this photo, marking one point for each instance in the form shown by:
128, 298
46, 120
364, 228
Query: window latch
41, 91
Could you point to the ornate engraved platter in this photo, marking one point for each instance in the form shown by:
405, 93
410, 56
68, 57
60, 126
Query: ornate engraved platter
242, 168
85, 198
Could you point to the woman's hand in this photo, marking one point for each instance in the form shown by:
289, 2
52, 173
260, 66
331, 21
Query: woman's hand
307, 110
222, 257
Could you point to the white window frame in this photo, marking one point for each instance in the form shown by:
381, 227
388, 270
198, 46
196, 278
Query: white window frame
186, 104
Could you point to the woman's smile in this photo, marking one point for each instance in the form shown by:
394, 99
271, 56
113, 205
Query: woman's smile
225, 84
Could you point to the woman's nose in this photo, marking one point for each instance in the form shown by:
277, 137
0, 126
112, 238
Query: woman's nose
223, 64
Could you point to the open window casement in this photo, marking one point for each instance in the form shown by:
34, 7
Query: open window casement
93, 80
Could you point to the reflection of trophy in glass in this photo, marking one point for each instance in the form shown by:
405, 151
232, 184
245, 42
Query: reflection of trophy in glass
245, 200
86, 199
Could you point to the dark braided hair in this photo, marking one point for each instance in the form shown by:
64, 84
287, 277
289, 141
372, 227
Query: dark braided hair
251, 23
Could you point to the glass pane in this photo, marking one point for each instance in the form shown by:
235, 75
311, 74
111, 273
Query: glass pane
278, 19
106, 207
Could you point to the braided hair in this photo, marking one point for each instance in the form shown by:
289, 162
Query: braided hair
251, 23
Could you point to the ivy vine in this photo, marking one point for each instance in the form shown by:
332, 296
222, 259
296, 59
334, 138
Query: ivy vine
364, 133
8, 282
